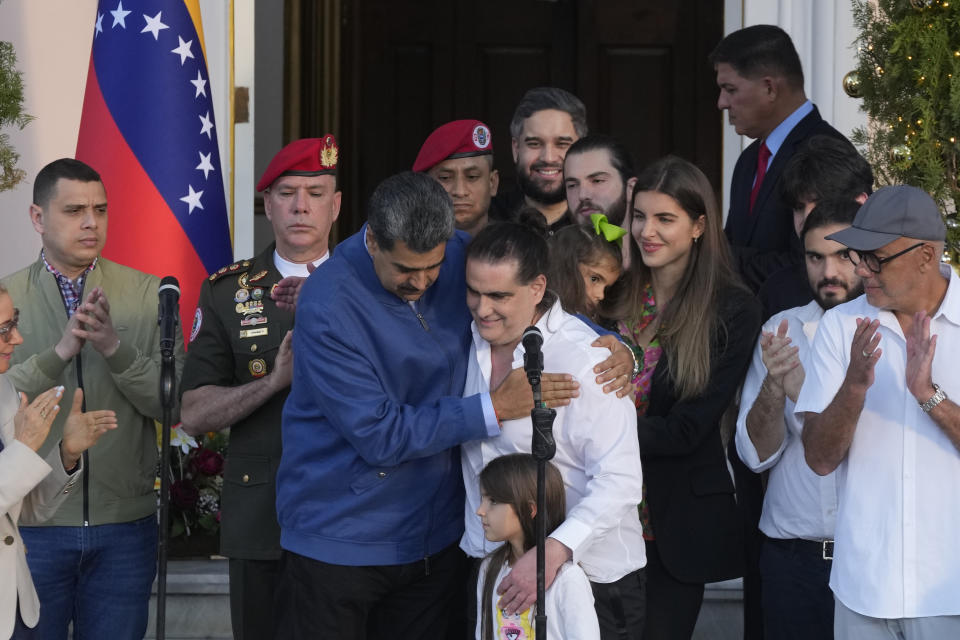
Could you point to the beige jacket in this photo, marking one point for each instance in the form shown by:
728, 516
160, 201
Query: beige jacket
28, 485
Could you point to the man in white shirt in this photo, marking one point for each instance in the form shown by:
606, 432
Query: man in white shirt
799, 507
876, 407
597, 450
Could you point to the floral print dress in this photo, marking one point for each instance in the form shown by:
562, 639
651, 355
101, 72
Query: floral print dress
647, 357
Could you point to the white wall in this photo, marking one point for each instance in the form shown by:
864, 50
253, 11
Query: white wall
52, 40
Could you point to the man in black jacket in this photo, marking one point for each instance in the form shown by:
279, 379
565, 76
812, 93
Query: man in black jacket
761, 88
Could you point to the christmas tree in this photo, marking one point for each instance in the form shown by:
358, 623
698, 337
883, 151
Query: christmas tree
908, 75
11, 113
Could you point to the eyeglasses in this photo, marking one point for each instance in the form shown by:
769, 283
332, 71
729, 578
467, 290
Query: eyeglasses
872, 262
6, 329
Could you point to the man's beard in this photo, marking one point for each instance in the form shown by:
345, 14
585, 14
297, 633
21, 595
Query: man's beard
534, 191
615, 213
829, 302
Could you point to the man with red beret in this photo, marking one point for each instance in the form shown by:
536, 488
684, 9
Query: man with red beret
240, 363
459, 155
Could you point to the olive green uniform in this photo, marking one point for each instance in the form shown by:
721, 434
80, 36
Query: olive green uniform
237, 331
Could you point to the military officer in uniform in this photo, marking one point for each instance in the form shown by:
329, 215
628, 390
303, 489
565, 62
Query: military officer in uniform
239, 365
459, 155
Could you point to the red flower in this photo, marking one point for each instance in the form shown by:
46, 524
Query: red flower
184, 494
207, 462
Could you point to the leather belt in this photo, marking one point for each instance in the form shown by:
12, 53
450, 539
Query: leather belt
822, 548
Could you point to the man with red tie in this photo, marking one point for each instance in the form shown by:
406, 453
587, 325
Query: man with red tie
761, 88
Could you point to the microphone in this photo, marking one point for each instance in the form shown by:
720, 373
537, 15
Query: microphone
532, 357
168, 314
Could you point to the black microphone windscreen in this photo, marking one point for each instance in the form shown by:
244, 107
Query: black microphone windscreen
169, 283
532, 338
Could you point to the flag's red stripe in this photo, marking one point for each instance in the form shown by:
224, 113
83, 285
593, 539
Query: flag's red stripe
143, 233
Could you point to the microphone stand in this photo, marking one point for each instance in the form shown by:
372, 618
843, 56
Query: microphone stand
543, 448
167, 400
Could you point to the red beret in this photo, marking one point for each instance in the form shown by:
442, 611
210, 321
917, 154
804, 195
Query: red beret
457, 139
304, 157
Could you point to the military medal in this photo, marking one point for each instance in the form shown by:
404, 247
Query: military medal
249, 307
258, 367
257, 293
251, 321
242, 295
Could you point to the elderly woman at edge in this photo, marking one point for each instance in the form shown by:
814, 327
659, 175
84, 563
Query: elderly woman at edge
32, 487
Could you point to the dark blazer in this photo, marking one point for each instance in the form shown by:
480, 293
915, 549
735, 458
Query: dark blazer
693, 512
766, 241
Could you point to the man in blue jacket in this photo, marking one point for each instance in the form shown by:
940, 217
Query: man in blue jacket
369, 492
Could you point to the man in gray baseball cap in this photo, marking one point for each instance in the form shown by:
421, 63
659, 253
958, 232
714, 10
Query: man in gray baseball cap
876, 403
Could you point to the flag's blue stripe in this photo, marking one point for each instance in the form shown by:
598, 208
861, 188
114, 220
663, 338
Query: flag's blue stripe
151, 98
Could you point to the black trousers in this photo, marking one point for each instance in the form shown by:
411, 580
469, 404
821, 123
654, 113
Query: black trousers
621, 606
672, 605
253, 584
797, 601
750, 501
335, 602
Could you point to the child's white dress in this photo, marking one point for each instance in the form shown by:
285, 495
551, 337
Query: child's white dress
569, 604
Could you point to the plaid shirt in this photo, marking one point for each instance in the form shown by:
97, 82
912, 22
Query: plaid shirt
70, 290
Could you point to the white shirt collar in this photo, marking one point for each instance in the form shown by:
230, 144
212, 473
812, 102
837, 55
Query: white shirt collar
287, 268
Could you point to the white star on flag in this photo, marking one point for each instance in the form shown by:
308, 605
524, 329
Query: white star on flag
99, 27
154, 25
205, 164
183, 50
200, 84
207, 125
192, 199
119, 15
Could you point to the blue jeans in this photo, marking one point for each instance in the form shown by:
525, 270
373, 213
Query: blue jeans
98, 577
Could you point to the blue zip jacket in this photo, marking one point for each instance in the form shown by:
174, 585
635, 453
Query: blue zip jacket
370, 471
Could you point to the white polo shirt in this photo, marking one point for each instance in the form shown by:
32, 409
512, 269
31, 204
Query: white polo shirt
897, 552
598, 454
798, 503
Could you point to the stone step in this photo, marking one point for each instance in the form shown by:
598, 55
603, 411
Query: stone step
198, 601
198, 604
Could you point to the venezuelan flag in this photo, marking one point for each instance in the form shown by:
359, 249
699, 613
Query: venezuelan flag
148, 128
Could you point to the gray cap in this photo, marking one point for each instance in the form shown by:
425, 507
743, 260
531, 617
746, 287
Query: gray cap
893, 212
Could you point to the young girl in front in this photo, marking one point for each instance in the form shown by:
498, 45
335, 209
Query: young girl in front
508, 492
585, 263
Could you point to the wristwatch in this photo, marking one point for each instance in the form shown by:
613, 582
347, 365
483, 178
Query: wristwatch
939, 396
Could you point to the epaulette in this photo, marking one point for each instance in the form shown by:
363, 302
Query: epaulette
236, 268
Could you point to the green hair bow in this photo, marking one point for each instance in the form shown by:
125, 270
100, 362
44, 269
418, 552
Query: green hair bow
610, 232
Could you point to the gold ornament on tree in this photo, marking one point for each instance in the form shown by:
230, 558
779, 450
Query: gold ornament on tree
851, 84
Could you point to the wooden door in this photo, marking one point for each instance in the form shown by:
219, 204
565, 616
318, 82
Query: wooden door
406, 67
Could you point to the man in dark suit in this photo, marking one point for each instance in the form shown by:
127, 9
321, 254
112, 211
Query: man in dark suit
761, 88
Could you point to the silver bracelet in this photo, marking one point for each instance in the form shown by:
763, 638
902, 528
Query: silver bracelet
939, 396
